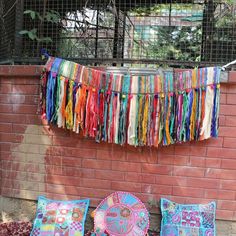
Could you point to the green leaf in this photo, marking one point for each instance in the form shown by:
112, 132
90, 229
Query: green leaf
45, 40
27, 11
31, 13
39, 16
24, 32
32, 34
34, 30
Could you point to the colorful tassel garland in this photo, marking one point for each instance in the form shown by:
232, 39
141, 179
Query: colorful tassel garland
151, 110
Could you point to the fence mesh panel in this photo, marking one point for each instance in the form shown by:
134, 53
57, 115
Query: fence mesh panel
120, 32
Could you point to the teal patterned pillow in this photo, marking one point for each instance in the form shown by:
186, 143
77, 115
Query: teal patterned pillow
60, 218
187, 220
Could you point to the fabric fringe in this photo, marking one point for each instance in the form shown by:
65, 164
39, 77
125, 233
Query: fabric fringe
153, 110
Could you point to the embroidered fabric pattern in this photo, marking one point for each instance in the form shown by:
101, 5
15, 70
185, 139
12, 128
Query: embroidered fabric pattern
65, 218
153, 110
121, 214
186, 220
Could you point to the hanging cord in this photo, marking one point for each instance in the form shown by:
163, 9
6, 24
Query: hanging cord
229, 64
46, 55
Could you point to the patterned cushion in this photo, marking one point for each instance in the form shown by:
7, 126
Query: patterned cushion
60, 218
121, 214
15, 229
185, 220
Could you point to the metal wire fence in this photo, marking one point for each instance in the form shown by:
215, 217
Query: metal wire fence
119, 32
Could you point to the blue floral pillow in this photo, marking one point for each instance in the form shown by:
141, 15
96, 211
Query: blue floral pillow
60, 218
187, 220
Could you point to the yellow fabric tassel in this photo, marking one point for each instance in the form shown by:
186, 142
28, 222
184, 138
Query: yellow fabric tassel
145, 121
193, 115
69, 107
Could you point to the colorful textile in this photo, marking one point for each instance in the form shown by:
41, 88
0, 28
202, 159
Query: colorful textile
64, 218
121, 214
162, 109
186, 220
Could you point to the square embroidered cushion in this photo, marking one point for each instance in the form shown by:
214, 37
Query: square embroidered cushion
186, 220
60, 218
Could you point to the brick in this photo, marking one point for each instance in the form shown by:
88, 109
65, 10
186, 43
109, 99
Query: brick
211, 193
171, 180
165, 150
53, 160
214, 142
137, 157
224, 214
221, 152
226, 132
126, 166
63, 180
188, 192
231, 99
231, 88
181, 160
6, 127
166, 159
96, 183
133, 177
182, 150
27, 148
24, 109
33, 119
197, 161
188, 171
12, 118
173, 160
156, 189
126, 186
110, 155
146, 178
38, 139
228, 164
93, 192
70, 161
230, 121
80, 152
222, 120
213, 163
6, 108
228, 185
220, 174
110, 175
198, 151
228, 110
232, 78
71, 171
5, 88
223, 98
156, 169
203, 183
226, 195
25, 89
54, 188
10, 137
193, 200
226, 205
87, 173
229, 142
96, 164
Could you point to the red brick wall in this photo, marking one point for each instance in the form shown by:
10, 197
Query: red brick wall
37, 159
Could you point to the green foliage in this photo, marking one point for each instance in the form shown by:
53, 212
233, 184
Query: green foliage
171, 43
50, 16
